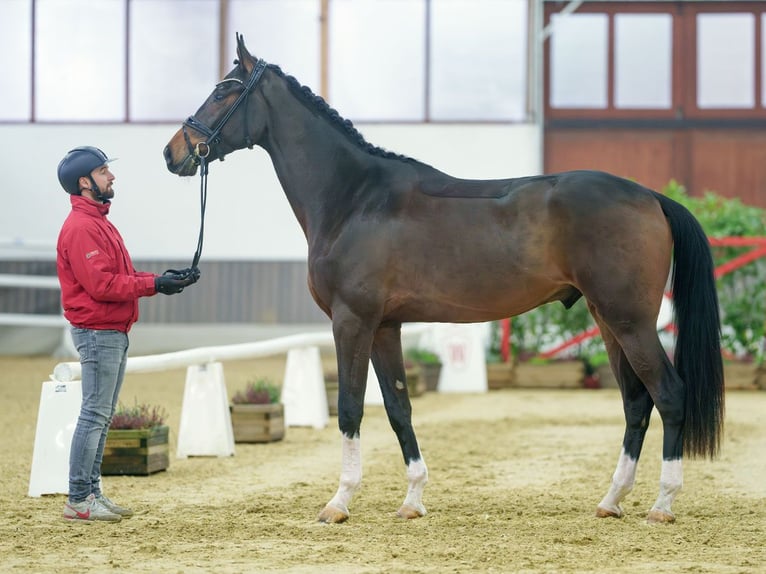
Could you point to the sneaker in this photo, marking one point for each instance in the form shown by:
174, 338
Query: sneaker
89, 509
114, 508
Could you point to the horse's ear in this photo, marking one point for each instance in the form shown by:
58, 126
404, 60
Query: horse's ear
243, 55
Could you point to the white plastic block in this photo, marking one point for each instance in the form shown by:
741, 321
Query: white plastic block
461, 350
303, 391
56, 421
205, 427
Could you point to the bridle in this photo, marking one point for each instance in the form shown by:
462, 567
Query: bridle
200, 152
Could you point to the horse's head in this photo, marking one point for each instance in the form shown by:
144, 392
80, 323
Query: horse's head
221, 125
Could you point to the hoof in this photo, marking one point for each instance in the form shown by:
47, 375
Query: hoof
656, 516
332, 515
608, 513
408, 512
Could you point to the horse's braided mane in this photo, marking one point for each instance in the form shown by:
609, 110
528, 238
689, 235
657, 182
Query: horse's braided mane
344, 125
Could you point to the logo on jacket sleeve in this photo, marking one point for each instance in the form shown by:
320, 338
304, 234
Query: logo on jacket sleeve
90, 254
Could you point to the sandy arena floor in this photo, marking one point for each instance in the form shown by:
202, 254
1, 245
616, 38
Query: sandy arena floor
515, 477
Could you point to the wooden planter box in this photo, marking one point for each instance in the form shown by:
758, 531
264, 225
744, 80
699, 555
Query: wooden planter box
553, 375
331, 388
429, 373
136, 451
743, 376
416, 384
500, 375
258, 423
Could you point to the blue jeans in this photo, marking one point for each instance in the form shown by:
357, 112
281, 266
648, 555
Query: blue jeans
103, 354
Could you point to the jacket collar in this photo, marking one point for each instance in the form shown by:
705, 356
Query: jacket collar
85, 205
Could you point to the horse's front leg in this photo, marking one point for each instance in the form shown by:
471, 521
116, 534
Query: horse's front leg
389, 367
352, 347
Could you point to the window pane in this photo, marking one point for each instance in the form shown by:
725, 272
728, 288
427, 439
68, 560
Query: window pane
377, 59
643, 61
478, 67
725, 60
16, 39
579, 61
173, 57
79, 60
291, 40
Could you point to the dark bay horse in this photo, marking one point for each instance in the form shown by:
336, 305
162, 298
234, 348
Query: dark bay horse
392, 240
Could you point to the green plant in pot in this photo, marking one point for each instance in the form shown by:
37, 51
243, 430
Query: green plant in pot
429, 366
256, 413
137, 441
258, 392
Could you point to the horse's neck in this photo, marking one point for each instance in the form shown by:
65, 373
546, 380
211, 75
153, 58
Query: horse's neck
315, 162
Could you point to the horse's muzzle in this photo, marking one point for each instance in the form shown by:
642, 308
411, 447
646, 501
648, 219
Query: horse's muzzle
186, 167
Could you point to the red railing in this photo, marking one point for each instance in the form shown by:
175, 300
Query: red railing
758, 250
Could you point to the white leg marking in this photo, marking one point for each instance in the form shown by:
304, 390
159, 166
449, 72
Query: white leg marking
622, 483
350, 474
417, 477
671, 481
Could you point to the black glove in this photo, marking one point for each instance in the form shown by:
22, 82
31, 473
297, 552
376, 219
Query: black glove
191, 273
172, 281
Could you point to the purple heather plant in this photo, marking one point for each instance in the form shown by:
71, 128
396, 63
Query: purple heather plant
139, 416
257, 392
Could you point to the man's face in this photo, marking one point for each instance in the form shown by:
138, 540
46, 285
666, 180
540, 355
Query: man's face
103, 178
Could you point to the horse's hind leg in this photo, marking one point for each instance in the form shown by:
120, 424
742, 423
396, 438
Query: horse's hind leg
642, 349
389, 367
637, 405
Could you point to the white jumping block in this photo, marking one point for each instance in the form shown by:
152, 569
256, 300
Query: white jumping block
373, 395
205, 427
461, 350
303, 392
56, 421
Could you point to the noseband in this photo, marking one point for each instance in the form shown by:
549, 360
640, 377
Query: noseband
212, 136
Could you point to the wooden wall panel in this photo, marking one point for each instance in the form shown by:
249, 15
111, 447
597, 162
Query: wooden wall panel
729, 162
650, 157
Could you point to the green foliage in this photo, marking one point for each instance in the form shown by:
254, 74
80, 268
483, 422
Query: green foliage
422, 356
139, 416
258, 392
552, 323
742, 293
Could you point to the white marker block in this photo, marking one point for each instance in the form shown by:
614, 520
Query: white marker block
303, 391
56, 421
205, 427
461, 350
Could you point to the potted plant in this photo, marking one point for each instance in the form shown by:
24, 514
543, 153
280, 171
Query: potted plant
429, 366
256, 413
542, 328
137, 441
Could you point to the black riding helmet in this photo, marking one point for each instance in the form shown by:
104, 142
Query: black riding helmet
78, 163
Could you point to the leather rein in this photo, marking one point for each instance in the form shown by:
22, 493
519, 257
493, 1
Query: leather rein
200, 152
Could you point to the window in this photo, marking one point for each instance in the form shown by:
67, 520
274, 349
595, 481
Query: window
726, 60
377, 59
579, 61
643, 61
173, 60
155, 60
16, 79
478, 80
79, 62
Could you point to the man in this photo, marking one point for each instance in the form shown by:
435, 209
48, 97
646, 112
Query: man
99, 292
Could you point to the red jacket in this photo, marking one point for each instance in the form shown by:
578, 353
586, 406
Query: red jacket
99, 286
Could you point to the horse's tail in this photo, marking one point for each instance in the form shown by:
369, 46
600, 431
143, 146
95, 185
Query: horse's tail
698, 344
